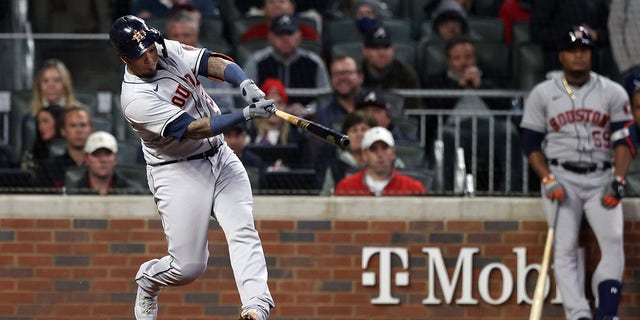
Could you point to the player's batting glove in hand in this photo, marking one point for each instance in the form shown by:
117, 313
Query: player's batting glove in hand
553, 189
260, 109
250, 91
613, 192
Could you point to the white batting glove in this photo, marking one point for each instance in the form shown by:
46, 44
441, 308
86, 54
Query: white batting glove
250, 91
260, 109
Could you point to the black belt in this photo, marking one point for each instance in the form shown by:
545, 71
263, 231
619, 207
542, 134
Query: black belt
205, 155
581, 167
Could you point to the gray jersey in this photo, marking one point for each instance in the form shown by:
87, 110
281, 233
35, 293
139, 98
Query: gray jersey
150, 104
576, 119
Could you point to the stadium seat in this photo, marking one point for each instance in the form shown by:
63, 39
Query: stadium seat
494, 58
129, 152
520, 33
292, 182
486, 28
94, 64
20, 106
345, 30
245, 48
419, 11
528, 65
433, 60
15, 180
411, 155
486, 8
427, 177
135, 173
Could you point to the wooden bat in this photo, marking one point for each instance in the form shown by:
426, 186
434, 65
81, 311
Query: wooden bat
538, 294
319, 130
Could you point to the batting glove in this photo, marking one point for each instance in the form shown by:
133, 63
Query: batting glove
260, 109
613, 192
553, 189
250, 91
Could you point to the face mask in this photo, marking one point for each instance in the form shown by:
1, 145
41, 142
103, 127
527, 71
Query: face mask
366, 24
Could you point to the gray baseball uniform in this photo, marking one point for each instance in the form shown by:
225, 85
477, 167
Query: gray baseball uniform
575, 121
187, 193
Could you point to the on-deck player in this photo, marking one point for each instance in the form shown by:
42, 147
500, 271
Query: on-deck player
572, 126
190, 170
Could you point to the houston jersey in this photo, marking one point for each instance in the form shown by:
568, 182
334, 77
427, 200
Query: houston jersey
576, 119
150, 104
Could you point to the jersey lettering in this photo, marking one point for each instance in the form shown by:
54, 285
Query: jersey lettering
190, 79
593, 117
180, 96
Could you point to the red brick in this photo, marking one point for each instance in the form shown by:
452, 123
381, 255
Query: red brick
111, 309
53, 248
109, 285
126, 224
142, 236
16, 297
7, 260
111, 236
279, 225
375, 238
313, 249
389, 226
91, 248
315, 273
90, 273
35, 285
16, 223
7, 285
32, 235
351, 225
109, 260
334, 237
53, 273
278, 249
53, 223
16, 248
35, 261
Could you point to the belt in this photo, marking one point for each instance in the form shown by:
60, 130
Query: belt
205, 155
581, 167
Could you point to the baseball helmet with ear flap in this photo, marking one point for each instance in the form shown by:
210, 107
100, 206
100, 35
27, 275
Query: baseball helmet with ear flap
131, 37
576, 36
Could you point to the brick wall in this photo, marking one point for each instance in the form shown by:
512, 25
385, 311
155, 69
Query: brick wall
82, 268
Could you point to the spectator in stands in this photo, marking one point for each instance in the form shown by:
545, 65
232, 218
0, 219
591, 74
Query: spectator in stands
70, 16
101, 176
185, 28
624, 16
75, 128
346, 84
236, 138
550, 19
463, 72
348, 161
379, 177
52, 86
449, 22
369, 14
273, 9
284, 59
513, 11
375, 106
47, 130
382, 70
275, 131
146, 9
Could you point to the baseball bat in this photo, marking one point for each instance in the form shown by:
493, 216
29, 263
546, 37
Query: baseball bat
317, 129
538, 294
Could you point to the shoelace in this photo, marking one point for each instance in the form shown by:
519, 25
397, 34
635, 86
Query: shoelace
148, 305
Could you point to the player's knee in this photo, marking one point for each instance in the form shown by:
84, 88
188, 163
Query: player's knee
191, 271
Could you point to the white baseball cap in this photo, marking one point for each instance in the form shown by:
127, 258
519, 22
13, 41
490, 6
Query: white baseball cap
101, 139
377, 134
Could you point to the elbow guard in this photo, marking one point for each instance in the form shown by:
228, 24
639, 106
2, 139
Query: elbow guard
625, 134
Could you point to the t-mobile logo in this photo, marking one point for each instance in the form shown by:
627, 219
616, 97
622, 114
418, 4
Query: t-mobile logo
384, 278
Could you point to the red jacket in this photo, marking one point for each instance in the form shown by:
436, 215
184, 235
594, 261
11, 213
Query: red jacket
260, 30
399, 185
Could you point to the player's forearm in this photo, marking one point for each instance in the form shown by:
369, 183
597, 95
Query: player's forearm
622, 160
538, 163
199, 129
216, 66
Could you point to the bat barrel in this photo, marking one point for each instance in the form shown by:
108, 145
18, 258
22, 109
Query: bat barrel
344, 141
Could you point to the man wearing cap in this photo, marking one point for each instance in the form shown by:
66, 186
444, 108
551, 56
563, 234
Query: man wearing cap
379, 177
284, 59
584, 121
374, 104
101, 177
382, 70
274, 8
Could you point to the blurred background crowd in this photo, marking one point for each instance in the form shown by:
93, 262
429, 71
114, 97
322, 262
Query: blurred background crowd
446, 78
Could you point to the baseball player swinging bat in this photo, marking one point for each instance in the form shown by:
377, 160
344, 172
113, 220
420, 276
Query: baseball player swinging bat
538, 294
319, 130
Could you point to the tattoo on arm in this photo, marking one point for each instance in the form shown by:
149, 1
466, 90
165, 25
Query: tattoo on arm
216, 66
199, 129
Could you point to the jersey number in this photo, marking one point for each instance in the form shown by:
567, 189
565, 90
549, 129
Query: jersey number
180, 96
601, 138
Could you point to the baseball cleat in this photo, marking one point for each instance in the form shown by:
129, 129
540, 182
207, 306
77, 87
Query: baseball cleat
146, 307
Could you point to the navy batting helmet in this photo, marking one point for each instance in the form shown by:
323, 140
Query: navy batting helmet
131, 36
576, 36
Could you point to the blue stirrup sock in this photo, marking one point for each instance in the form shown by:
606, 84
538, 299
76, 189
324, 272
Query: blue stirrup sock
609, 298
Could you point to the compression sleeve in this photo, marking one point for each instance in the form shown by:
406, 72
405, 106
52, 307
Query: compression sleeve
222, 122
234, 74
531, 141
625, 133
178, 127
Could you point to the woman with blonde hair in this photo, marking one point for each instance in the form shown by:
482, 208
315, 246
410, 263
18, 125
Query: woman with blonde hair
52, 86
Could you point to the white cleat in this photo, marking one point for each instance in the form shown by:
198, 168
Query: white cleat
146, 307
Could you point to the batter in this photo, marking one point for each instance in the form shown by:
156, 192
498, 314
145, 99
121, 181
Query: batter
573, 124
191, 172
